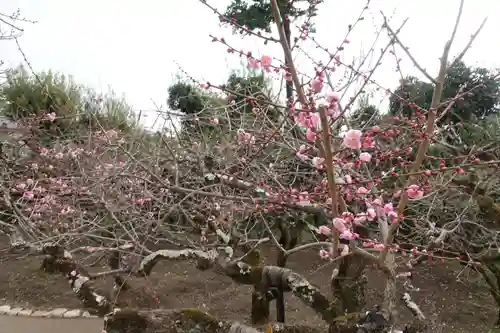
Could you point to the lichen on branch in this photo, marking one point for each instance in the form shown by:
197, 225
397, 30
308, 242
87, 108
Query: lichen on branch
204, 259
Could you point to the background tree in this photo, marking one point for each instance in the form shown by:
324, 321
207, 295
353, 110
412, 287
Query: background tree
185, 97
255, 15
233, 105
254, 84
365, 114
481, 100
27, 95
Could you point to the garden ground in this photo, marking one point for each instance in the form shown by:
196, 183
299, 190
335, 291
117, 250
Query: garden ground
451, 305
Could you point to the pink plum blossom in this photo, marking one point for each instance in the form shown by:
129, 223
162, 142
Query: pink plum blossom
310, 135
253, 63
51, 116
346, 234
332, 97
360, 219
347, 216
267, 62
388, 207
393, 216
324, 230
324, 254
352, 139
362, 190
245, 137
371, 214
339, 224
317, 85
415, 192
315, 121
318, 162
365, 157
301, 156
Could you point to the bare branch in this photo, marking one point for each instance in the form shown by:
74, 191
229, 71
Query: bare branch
469, 44
424, 145
407, 51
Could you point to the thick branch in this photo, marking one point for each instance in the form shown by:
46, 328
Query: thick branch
419, 324
266, 277
204, 259
79, 280
413, 307
262, 278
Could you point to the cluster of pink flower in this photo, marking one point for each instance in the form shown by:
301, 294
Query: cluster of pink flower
44, 198
355, 140
54, 176
245, 137
375, 209
311, 121
345, 223
265, 61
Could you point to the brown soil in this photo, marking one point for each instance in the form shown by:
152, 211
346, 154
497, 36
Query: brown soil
452, 306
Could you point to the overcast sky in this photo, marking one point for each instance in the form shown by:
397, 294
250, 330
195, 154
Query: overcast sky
133, 46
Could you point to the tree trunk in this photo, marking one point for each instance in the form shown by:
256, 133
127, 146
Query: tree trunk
348, 287
289, 83
260, 308
288, 240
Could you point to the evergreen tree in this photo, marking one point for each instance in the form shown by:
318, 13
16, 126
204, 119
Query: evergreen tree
482, 88
256, 15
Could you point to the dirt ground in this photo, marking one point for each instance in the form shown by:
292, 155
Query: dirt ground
10, 324
451, 305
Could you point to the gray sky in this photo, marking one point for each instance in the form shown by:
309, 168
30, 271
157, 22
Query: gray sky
132, 46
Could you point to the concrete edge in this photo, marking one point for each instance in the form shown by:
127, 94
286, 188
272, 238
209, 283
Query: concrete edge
7, 310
